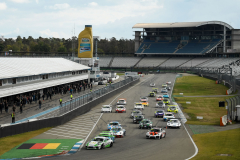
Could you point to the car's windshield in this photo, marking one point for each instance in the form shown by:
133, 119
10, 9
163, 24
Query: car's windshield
159, 111
106, 107
172, 108
155, 130
121, 101
98, 139
116, 129
160, 102
139, 105
165, 99
113, 123
146, 122
175, 121
138, 116
120, 107
168, 114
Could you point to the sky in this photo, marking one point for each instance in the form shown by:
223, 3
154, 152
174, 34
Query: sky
109, 18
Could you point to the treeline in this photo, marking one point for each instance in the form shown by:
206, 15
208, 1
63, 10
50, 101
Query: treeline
105, 46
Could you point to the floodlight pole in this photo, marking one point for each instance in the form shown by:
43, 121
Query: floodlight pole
96, 47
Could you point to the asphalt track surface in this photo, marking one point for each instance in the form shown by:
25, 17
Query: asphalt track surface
176, 146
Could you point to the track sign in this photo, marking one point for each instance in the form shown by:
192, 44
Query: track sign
221, 103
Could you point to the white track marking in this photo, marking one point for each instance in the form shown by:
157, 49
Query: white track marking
84, 141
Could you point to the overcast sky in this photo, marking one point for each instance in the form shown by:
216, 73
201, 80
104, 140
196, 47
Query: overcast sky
110, 18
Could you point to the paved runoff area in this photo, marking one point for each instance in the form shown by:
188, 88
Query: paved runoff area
176, 146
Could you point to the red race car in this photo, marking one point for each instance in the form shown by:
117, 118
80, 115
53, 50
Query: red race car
120, 109
159, 98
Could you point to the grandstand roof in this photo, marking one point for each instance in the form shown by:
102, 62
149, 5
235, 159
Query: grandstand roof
21, 67
179, 24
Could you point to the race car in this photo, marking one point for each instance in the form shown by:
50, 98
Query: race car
135, 112
145, 104
121, 102
120, 109
138, 118
164, 90
156, 133
172, 109
106, 108
144, 99
168, 115
138, 105
113, 124
159, 113
145, 123
174, 123
152, 84
152, 94
166, 101
119, 132
164, 85
159, 98
108, 134
168, 88
99, 143
169, 83
160, 104
155, 90
165, 95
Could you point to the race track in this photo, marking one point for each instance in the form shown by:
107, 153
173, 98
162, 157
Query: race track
176, 146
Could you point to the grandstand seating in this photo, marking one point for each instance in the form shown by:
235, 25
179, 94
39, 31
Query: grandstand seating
194, 62
125, 61
104, 61
151, 61
196, 46
175, 62
218, 62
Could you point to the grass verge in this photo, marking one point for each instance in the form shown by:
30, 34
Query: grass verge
195, 85
7, 143
212, 144
207, 107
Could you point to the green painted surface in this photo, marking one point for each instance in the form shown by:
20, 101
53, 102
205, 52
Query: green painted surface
66, 144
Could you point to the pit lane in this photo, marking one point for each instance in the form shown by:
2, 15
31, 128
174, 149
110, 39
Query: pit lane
177, 144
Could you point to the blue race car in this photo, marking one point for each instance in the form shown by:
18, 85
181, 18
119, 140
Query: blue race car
113, 124
165, 95
159, 113
119, 132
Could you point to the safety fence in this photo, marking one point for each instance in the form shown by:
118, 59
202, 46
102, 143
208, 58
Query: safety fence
70, 109
231, 108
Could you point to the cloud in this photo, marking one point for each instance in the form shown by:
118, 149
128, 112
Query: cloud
93, 4
58, 6
20, 1
48, 33
3, 6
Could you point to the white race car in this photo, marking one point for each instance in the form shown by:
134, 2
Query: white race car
168, 115
119, 132
160, 104
106, 108
138, 105
135, 112
174, 123
152, 84
121, 101
144, 99
156, 133
169, 83
99, 143
120, 109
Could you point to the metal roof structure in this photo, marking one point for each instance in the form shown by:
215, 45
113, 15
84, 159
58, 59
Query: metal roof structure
21, 67
179, 24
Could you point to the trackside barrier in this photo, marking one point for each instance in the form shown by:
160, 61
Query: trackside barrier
229, 91
223, 120
180, 113
72, 110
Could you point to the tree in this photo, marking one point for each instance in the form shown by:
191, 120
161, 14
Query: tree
1, 46
62, 49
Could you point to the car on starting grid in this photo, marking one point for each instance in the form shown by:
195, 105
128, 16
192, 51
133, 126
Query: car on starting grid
99, 143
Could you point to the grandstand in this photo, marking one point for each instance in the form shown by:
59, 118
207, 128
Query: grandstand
186, 38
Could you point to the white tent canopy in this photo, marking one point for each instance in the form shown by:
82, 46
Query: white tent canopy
21, 67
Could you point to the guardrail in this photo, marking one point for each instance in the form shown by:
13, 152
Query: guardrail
70, 109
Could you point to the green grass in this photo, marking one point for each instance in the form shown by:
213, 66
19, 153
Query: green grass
7, 143
207, 107
211, 144
120, 74
195, 85
66, 145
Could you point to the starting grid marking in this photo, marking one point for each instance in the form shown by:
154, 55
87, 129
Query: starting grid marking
78, 128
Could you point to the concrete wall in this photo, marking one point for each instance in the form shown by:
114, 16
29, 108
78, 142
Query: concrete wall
236, 39
137, 40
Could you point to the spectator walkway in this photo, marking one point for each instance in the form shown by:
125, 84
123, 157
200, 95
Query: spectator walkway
33, 111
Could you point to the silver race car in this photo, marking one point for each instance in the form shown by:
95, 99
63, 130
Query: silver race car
174, 123
156, 132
